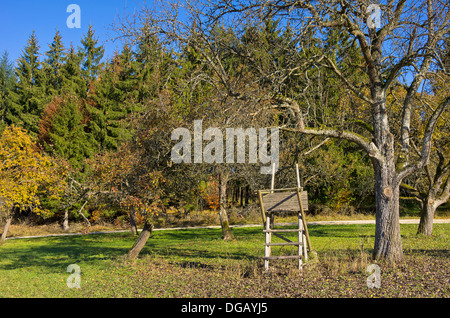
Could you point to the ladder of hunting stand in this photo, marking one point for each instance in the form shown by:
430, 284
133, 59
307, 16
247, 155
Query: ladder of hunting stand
275, 201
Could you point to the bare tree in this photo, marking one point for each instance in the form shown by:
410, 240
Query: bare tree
431, 185
432, 190
405, 42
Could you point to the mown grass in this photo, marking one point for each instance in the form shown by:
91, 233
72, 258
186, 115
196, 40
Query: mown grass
198, 263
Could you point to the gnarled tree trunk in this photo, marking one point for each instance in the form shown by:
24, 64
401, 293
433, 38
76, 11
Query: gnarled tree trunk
141, 240
388, 244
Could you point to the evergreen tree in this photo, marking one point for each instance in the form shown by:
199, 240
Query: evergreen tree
63, 128
127, 71
72, 79
62, 133
7, 75
112, 101
7, 82
53, 65
27, 100
91, 55
153, 67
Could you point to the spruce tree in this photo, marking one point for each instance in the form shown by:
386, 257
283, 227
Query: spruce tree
27, 100
72, 79
54, 64
7, 75
91, 55
150, 60
62, 130
7, 82
112, 101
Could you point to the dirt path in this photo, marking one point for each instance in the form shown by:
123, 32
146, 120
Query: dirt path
402, 221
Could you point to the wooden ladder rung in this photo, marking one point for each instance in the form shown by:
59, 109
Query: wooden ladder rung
281, 244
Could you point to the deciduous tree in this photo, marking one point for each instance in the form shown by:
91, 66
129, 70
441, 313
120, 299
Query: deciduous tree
26, 175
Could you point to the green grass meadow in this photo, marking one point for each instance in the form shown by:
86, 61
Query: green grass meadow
198, 263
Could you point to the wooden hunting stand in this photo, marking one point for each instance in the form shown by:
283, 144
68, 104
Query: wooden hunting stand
288, 200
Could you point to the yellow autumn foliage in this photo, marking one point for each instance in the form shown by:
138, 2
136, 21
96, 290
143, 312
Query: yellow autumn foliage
26, 174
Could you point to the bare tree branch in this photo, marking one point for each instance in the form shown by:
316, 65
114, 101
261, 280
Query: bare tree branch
426, 143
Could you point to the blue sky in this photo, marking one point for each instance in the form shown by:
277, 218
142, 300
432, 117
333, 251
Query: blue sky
19, 18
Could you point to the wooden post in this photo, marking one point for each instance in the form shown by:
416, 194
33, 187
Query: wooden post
298, 176
300, 241
300, 224
305, 249
303, 218
263, 214
267, 245
272, 186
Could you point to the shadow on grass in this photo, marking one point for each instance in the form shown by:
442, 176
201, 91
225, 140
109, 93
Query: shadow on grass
188, 234
438, 253
205, 234
56, 252
197, 244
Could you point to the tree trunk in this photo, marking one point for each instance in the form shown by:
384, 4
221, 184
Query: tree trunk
388, 244
5, 228
133, 223
226, 231
426, 217
141, 240
66, 220
437, 194
8, 223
